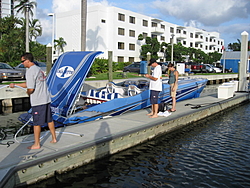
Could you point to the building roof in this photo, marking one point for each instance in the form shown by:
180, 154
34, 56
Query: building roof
232, 55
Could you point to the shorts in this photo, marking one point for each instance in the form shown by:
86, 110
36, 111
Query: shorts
173, 93
154, 96
41, 114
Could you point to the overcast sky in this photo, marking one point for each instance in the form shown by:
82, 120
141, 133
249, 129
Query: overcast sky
228, 17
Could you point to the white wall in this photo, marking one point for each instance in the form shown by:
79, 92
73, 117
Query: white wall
102, 32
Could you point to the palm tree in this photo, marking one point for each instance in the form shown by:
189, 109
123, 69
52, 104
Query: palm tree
59, 44
26, 6
35, 29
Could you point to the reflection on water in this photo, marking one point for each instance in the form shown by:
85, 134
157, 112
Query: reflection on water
212, 153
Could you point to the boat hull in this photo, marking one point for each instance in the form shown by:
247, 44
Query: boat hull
188, 89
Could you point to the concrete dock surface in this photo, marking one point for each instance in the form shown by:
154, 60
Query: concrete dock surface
83, 143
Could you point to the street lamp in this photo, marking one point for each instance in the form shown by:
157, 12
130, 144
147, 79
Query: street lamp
172, 48
53, 33
148, 59
27, 9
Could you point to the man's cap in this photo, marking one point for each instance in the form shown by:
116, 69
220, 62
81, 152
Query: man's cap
151, 61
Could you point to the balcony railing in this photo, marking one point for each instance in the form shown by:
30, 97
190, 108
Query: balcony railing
157, 30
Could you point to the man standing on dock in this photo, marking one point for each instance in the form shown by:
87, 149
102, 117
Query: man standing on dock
155, 86
39, 98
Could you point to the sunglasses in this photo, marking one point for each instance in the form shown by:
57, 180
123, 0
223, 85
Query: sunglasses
23, 60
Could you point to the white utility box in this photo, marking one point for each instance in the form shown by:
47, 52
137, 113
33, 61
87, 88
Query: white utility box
225, 91
231, 84
236, 84
180, 68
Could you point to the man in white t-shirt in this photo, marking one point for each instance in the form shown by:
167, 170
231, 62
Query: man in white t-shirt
39, 99
155, 87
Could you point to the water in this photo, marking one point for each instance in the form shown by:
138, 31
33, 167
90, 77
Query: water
214, 152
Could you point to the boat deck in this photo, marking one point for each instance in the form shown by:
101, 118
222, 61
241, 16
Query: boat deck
82, 143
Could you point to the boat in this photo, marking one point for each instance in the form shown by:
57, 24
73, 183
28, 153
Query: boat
70, 105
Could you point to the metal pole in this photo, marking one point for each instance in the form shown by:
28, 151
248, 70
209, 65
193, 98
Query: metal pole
83, 24
27, 6
49, 58
243, 62
224, 60
53, 35
172, 49
110, 62
148, 59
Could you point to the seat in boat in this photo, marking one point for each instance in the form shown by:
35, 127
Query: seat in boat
112, 88
133, 90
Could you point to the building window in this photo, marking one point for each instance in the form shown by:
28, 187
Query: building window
171, 30
153, 36
206, 39
144, 35
162, 26
178, 31
120, 59
121, 31
103, 21
191, 44
131, 33
132, 19
196, 45
132, 47
131, 59
191, 35
145, 23
206, 48
121, 45
196, 36
184, 42
121, 17
184, 32
154, 24
201, 46
162, 38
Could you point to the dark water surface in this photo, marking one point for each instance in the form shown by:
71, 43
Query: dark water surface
211, 153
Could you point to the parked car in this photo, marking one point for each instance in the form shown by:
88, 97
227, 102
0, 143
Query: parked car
22, 68
216, 69
8, 73
195, 67
134, 67
209, 68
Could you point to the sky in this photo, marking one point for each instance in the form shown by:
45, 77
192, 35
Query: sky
228, 17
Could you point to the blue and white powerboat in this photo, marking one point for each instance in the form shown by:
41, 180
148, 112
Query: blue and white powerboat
66, 80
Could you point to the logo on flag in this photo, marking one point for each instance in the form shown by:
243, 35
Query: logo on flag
64, 72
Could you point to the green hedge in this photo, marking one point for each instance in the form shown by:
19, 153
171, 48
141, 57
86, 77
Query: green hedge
101, 66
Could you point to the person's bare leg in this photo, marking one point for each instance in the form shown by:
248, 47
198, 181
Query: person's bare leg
51, 126
37, 131
173, 104
155, 111
152, 110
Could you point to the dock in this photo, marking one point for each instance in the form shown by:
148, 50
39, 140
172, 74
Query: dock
84, 143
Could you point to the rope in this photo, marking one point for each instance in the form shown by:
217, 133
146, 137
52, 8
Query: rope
42, 137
